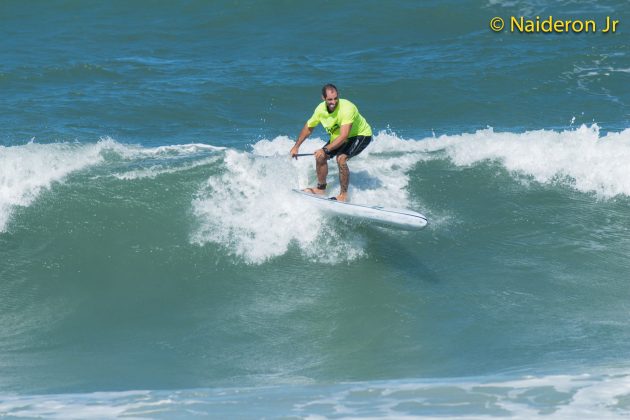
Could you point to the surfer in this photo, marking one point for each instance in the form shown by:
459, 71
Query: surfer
349, 135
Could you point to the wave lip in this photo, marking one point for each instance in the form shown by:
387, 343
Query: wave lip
27, 170
580, 158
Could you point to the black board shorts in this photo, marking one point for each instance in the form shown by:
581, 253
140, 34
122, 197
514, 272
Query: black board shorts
352, 146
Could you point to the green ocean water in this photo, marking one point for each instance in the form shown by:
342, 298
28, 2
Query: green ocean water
155, 264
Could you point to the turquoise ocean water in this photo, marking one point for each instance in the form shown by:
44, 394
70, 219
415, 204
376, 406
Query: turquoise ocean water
154, 264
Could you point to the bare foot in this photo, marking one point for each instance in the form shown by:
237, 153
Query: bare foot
314, 190
342, 197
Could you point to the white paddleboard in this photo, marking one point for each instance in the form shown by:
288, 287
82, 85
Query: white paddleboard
397, 218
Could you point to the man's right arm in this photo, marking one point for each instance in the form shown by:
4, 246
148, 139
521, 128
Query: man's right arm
306, 131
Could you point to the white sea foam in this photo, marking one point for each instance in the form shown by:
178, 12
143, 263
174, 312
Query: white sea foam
602, 396
249, 209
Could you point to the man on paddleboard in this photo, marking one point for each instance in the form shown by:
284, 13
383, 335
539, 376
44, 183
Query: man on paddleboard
349, 135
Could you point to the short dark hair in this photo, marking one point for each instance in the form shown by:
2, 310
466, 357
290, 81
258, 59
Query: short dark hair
329, 86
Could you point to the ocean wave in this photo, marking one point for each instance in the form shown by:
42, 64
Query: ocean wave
246, 206
28, 170
579, 159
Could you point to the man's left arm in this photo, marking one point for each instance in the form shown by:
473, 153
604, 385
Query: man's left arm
344, 131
